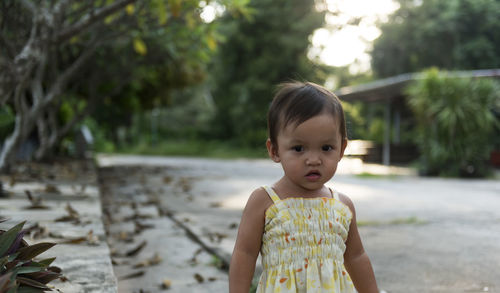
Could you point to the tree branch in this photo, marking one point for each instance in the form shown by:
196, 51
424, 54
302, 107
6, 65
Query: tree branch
63, 78
29, 5
36, 84
89, 19
8, 47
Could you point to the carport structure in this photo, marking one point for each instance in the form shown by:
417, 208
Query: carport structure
391, 92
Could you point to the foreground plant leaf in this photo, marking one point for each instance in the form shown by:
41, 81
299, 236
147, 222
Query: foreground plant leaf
5, 281
28, 269
7, 238
30, 252
44, 277
32, 283
47, 261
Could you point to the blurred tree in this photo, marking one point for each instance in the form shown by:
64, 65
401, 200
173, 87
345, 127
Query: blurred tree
452, 34
260, 51
60, 59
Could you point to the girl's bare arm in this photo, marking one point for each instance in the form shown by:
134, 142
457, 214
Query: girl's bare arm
356, 260
248, 242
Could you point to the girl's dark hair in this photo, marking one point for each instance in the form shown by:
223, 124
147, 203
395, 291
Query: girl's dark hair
296, 102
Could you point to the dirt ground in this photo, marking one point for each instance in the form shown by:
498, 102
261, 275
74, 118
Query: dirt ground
422, 234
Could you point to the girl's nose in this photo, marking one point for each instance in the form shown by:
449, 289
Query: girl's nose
313, 161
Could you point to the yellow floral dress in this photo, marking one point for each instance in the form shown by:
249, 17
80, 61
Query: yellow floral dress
303, 245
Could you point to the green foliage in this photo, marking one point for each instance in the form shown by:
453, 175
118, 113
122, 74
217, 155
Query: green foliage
376, 130
452, 34
166, 77
455, 123
268, 48
365, 121
7, 119
102, 143
193, 148
355, 120
18, 271
144, 52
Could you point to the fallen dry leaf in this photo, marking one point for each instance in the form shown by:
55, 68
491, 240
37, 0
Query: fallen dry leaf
139, 227
215, 204
50, 188
137, 249
90, 239
166, 284
199, 278
154, 260
132, 275
36, 202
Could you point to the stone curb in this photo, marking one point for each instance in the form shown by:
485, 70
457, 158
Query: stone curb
81, 251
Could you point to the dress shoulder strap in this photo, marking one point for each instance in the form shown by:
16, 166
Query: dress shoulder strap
272, 194
335, 194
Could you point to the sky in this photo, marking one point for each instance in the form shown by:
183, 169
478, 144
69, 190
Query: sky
349, 45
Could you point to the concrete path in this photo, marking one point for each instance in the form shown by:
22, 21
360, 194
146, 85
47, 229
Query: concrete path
151, 251
422, 234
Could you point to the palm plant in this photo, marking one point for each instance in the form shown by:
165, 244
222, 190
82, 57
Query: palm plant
455, 123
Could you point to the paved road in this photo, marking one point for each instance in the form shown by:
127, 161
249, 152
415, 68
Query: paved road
422, 234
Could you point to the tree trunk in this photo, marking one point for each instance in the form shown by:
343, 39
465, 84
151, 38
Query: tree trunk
25, 75
11, 144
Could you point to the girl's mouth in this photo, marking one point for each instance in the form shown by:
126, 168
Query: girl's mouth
313, 175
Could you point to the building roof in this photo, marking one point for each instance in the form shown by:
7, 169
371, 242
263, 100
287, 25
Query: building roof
393, 87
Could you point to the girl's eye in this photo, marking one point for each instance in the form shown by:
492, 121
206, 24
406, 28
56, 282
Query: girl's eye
298, 148
327, 148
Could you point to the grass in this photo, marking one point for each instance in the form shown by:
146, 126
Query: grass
369, 175
399, 221
195, 148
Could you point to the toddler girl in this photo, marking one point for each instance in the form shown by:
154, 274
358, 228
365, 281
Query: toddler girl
306, 232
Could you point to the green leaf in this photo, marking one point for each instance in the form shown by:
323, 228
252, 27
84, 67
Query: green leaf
46, 262
13, 289
140, 47
27, 270
12, 257
4, 282
30, 252
161, 11
7, 238
43, 277
32, 283
25, 289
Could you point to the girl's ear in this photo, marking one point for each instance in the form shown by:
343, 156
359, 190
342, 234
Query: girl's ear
344, 145
272, 151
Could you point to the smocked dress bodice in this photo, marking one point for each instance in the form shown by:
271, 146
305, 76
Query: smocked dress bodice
303, 245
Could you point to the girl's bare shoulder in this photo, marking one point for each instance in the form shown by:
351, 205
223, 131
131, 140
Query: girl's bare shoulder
259, 200
347, 201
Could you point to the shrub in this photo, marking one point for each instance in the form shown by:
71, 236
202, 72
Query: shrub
455, 123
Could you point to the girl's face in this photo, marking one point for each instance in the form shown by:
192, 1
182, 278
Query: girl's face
309, 152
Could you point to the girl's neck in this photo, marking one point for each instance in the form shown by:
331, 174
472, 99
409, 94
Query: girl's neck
285, 189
